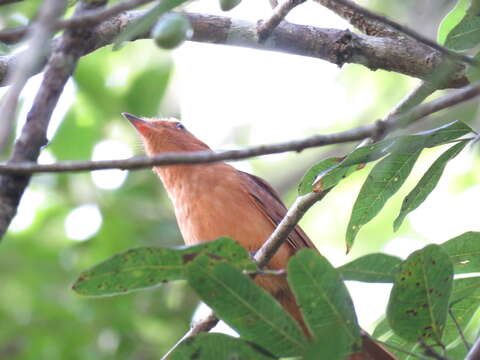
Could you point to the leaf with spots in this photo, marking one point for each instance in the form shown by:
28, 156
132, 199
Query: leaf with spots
145, 267
427, 183
220, 347
247, 308
323, 297
306, 184
386, 177
418, 304
464, 251
373, 268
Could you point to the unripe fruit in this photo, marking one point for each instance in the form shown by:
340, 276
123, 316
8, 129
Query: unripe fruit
226, 5
171, 30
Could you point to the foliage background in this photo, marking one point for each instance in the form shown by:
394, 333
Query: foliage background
216, 91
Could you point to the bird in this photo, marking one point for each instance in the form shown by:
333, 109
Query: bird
215, 200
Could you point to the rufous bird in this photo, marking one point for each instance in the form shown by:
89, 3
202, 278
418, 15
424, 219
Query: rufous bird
215, 199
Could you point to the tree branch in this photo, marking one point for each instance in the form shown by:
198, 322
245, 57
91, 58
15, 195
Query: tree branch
266, 27
39, 35
88, 18
60, 66
366, 25
402, 55
372, 130
357, 9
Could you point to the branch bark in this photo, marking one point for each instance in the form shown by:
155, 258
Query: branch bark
61, 65
376, 130
403, 55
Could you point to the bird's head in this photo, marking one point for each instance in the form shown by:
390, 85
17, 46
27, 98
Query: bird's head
160, 135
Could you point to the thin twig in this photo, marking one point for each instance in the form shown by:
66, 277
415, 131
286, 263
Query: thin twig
28, 64
459, 329
204, 325
266, 27
89, 18
430, 352
200, 157
362, 23
407, 31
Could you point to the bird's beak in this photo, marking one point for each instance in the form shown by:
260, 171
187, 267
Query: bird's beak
141, 125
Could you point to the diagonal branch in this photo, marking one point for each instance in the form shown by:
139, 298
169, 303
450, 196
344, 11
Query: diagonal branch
371, 16
402, 55
366, 25
60, 66
392, 122
28, 64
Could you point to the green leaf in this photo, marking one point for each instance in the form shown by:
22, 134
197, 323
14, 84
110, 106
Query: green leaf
145, 22
332, 345
246, 307
323, 297
146, 267
451, 20
386, 177
427, 183
306, 184
418, 304
464, 251
384, 333
465, 35
463, 288
374, 268
407, 143
465, 302
219, 347
473, 72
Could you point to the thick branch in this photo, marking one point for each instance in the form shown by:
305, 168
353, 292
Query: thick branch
390, 123
403, 55
358, 10
60, 66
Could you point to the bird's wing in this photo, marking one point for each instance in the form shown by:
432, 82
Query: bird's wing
270, 204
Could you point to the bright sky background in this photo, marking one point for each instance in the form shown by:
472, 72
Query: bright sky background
281, 97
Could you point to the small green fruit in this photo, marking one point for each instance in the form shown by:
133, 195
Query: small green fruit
171, 30
226, 5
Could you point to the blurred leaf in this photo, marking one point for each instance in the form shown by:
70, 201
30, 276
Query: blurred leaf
384, 332
464, 251
145, 22
463, 311
465, 35
463, 288
375, 268
386, 177
149, 266
219, 347
418, 304
227, 5
245, 307
451, 20
323, 298
147, 90
306, 184
473, 72
427, 183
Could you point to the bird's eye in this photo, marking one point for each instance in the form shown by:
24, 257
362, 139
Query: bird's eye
180, 126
